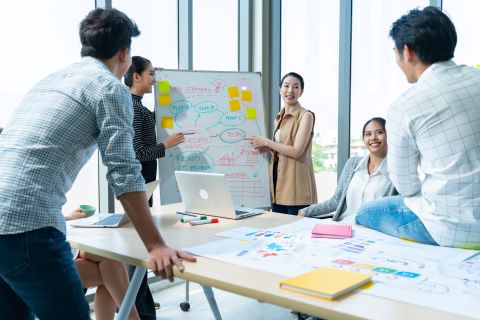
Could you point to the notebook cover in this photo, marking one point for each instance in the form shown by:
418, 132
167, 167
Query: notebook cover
326, 282
332, 231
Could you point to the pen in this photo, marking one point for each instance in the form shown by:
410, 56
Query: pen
196, 223
186, 214
188, 132
188, 219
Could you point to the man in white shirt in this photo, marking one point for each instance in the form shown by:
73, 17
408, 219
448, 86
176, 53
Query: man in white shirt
434, 126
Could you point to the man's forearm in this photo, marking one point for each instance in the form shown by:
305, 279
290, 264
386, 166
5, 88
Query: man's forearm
136, 206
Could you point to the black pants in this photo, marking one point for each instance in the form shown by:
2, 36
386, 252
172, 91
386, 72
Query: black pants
149, 173
144, 301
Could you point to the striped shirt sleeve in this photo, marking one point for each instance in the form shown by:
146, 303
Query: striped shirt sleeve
144, 138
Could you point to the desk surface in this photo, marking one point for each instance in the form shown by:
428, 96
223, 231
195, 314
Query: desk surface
123, 244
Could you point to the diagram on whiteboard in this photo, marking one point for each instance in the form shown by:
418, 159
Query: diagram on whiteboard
216, 111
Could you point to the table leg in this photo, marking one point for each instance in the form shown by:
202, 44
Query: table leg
131, 294
212, 302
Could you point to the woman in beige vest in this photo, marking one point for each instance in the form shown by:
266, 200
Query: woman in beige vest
292, 181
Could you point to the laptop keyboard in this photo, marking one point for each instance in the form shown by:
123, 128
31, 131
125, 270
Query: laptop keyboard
110, 221
244, 212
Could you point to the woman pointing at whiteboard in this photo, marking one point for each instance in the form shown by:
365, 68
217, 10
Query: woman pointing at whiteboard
292, 180
139, 78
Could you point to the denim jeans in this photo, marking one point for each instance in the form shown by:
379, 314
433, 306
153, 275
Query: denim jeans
390, 215
38, 276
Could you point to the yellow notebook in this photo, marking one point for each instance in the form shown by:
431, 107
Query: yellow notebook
326, 283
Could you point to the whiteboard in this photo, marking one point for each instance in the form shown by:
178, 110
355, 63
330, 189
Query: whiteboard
220, 109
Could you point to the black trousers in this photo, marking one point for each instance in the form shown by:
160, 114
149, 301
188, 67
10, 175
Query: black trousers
144, 300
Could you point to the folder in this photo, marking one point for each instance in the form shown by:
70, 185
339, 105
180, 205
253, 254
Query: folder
334, 231
325, 282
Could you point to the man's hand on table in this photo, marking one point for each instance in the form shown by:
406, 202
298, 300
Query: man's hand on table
164, 258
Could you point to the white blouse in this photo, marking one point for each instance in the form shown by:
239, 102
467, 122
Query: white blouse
276, 136
364, 187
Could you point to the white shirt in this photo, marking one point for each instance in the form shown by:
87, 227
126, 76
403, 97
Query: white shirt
276, 136
435, 124
364, 187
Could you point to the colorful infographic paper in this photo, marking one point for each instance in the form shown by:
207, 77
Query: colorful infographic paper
447, 279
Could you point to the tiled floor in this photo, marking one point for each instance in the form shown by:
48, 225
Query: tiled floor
232, 306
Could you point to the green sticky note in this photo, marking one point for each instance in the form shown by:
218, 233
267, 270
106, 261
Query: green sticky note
251, 113
163, 86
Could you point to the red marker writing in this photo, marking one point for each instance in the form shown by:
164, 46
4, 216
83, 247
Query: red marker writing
196, 223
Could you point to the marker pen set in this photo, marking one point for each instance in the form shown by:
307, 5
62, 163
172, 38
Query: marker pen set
196, 220
205, 221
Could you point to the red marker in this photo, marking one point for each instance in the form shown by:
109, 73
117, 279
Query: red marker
196, 223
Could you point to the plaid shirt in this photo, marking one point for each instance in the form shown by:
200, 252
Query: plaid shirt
54, 131
435, 125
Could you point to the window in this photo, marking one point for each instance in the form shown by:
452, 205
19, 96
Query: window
310, 40
376, 79
37, 47
158, 39
215, 35
464, 14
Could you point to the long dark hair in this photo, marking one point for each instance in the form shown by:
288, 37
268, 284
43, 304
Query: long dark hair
139, 64
378, 120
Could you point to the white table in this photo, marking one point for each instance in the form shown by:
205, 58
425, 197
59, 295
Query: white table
123, 244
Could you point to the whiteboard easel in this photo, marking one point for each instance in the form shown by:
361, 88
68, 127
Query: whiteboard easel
220, 109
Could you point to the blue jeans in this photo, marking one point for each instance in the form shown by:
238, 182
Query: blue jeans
38, 276
390, 215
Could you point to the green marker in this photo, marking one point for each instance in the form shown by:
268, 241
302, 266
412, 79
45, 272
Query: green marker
188, 219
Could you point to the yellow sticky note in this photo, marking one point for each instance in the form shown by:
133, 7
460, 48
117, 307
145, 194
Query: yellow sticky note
167, 122
232, 92
246, 95
164, 99
234, 105
251, 113
163, 86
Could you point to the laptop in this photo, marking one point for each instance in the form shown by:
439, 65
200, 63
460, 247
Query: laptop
208, 194
110, 220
